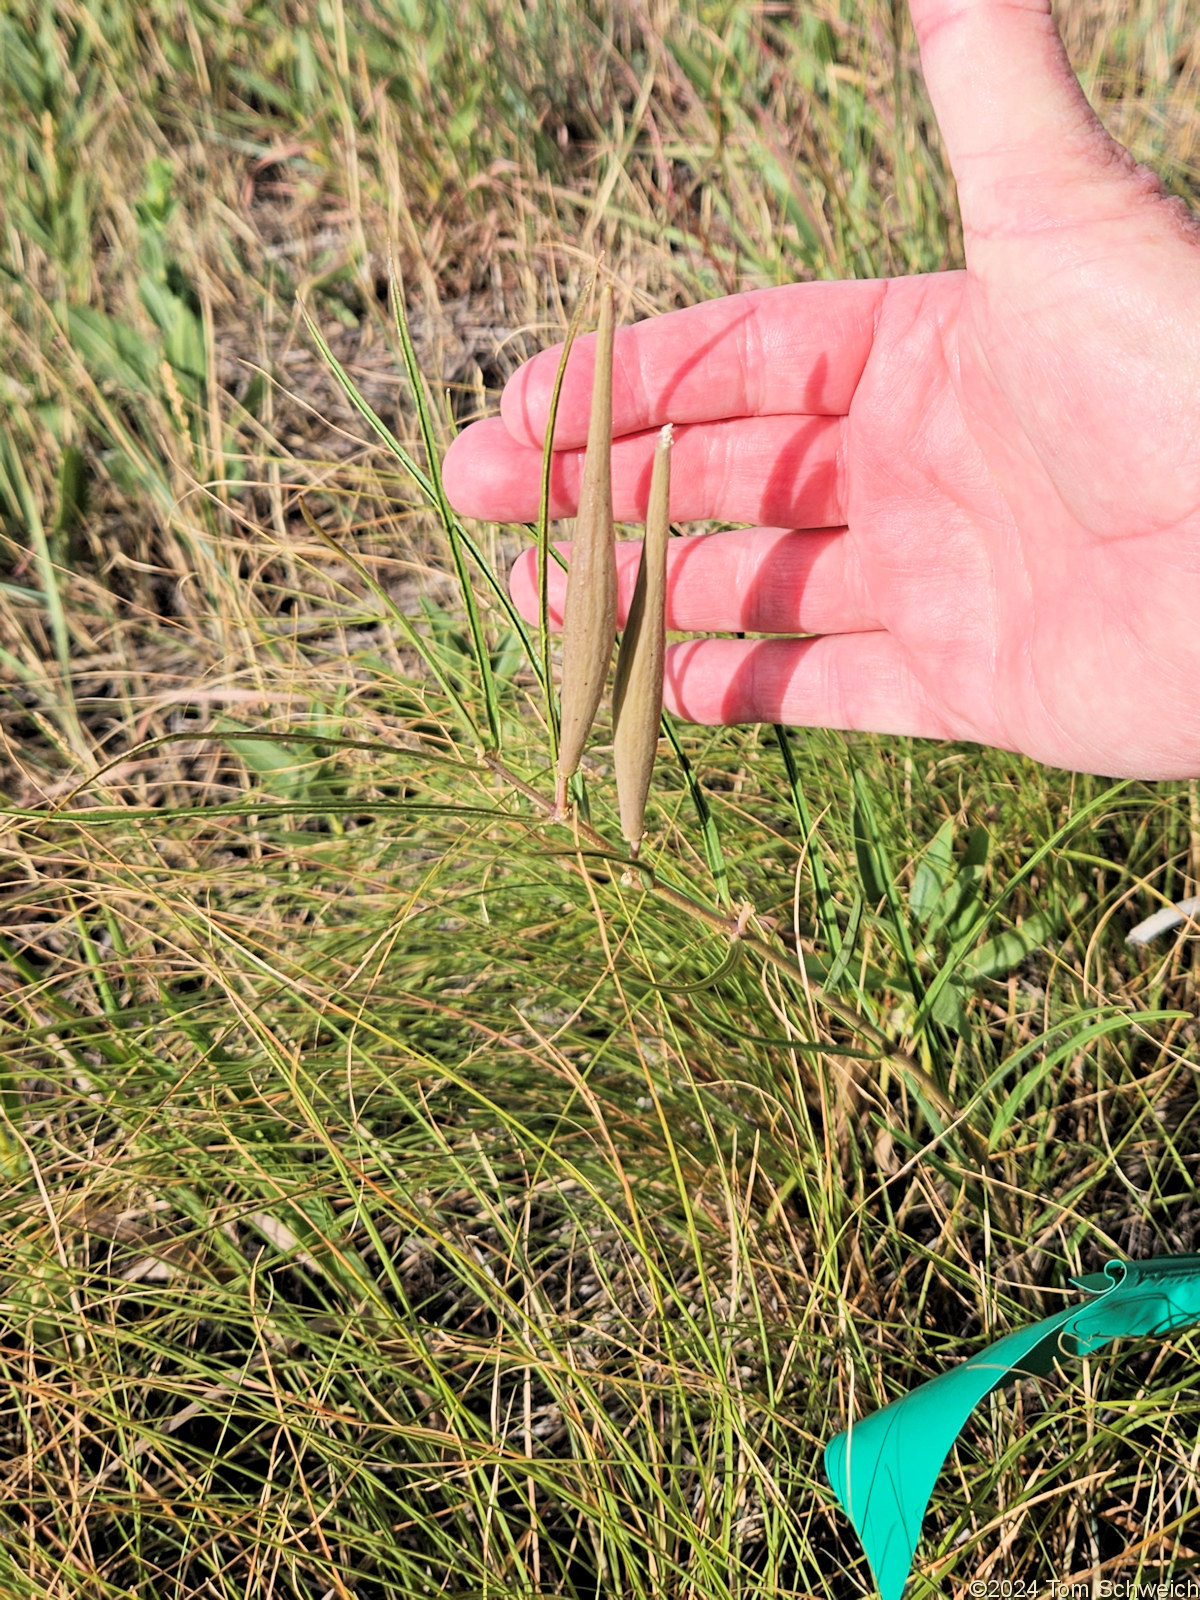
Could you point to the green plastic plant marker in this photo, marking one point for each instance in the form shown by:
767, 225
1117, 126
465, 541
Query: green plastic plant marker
883, 1469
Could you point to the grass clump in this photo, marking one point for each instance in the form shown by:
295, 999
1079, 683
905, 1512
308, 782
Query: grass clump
395, 1199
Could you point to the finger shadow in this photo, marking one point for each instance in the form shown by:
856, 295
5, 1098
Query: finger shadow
799, 488
813, 387
705, 594
714, 693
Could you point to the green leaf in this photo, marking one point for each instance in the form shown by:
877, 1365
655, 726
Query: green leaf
1007, 950
950, 1009
1014, 1102
879, 878
72, 491
826, 910
874, 870
286, 773
963, 942
181, 328
963, 905
848, 942
113, 351
934, 874
708, 826
450, 523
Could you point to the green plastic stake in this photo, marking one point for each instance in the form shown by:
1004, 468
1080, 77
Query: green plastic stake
883, 1469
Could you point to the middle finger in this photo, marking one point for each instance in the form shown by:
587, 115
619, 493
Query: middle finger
749, 580
785, 471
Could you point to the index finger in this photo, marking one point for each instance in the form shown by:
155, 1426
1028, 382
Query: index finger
797, 349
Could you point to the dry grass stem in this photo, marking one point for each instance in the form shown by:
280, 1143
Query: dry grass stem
403, 1195
638, 691
590, 611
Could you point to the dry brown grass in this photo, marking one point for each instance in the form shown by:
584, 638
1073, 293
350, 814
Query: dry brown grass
371, 1224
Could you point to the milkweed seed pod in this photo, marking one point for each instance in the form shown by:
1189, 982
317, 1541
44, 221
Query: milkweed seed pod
638, 690
590, 609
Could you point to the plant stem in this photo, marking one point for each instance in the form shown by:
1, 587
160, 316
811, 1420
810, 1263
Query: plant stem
734, 928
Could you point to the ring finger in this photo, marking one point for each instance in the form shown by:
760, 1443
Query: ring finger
784, 471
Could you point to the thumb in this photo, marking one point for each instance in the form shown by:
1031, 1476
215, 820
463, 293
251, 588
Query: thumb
1026, 148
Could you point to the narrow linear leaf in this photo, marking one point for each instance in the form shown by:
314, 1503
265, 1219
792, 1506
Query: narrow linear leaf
483, 660
17, 490
826, 906
849, 940
967, 940
727, 964
410, 633
713, 853
1026, 1086
543, 522
425, 483
879, 880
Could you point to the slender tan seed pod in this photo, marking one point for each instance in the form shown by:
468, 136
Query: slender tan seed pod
638, 690
590, 609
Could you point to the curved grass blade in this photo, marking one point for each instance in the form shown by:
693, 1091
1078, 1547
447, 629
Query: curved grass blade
16, 488
773, 1041
878, 874
970, 936
826, 907
1026, 1086
425, 483
410, 633
724, 967
843, 958
543, 522
714, 855
483, 661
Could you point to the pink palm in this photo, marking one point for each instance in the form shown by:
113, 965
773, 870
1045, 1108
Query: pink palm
980, 489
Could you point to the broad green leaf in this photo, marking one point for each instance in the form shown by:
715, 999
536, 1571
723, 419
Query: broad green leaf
950, 1009
114, 351
967, 893
285, 772
1006, 950
935, 873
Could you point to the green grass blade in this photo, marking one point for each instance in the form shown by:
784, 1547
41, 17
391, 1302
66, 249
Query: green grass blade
810, 841
963, 946
15, 486
841, 961
713, 853
1015, 1100
426, 485
416, 383
410, 633
543, 537
879, 869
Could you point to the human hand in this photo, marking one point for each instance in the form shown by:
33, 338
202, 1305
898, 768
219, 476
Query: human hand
980, 489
